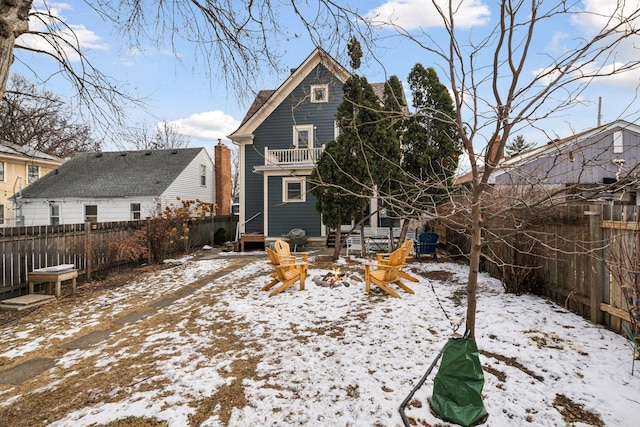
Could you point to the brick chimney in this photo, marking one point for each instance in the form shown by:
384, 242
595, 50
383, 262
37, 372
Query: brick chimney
496, 153
222, 158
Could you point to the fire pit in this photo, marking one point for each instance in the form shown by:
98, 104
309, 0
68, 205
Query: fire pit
336, 278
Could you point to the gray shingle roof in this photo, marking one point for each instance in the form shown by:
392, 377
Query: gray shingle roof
25, 151
114, 174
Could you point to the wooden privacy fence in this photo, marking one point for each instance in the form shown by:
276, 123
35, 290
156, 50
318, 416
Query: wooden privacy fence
89, 246
567, 256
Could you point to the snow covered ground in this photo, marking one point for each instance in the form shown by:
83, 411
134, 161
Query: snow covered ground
337, 356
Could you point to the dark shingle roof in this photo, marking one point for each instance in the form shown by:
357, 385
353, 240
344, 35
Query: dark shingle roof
114, 174
261, 98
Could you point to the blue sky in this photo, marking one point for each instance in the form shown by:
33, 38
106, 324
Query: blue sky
179, 90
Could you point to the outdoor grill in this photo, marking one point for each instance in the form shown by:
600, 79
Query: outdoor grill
298, 237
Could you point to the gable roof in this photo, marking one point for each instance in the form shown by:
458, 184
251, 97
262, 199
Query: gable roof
25, 151
552, 147
268, 100
114, 174
559, 145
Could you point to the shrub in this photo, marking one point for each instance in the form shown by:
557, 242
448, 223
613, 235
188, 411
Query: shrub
220, 236
169, 229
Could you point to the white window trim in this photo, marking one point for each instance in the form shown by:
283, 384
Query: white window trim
29, 181
303, 189
85, 211
303, 128
51, 216
326, 93
2, 167
203, 175
139, 211
618, 142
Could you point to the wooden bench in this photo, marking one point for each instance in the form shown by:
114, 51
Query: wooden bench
57, 274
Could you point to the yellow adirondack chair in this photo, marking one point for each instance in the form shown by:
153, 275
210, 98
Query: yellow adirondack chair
406, 246
284, 249
287, 272
387, 273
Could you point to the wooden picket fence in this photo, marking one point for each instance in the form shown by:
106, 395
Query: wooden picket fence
569, 258
87, 246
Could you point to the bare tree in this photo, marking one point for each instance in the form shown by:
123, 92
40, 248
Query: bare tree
494, 97
42, 121
234, 41
164, 135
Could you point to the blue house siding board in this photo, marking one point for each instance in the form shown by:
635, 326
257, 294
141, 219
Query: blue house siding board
285, 216
276, 132
253, 192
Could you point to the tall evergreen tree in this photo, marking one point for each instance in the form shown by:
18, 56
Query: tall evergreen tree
431, 143
362, 159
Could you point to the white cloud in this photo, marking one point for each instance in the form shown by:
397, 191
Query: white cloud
412, 14
558, 43
609, 72
597, 14
209, 125
70, 38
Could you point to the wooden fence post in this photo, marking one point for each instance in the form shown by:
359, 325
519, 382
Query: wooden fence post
88, 249
596, 272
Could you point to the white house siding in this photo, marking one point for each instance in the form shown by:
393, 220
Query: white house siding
187, 184
36, 211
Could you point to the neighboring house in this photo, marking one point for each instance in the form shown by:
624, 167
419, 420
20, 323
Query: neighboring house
600, 156
19, 167
280, 139
117, 186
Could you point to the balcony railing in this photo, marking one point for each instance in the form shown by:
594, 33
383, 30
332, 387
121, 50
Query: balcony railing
292, 156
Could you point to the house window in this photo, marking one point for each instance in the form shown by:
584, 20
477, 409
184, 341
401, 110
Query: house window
54, 214
33, 173
294, 190
303, 136
1, 171
203, 175
135, 211
618, 143
91, 213
1, 214
319, 93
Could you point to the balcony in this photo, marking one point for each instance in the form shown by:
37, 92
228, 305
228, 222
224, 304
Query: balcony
292, 156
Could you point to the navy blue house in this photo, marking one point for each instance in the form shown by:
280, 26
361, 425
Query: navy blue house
280, 139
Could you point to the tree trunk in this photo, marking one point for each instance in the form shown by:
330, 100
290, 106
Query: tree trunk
474, 266
14, 21
338, 245
404, 230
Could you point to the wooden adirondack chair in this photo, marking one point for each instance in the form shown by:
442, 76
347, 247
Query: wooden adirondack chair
287, 272
406, 247
387, 273
284, 249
